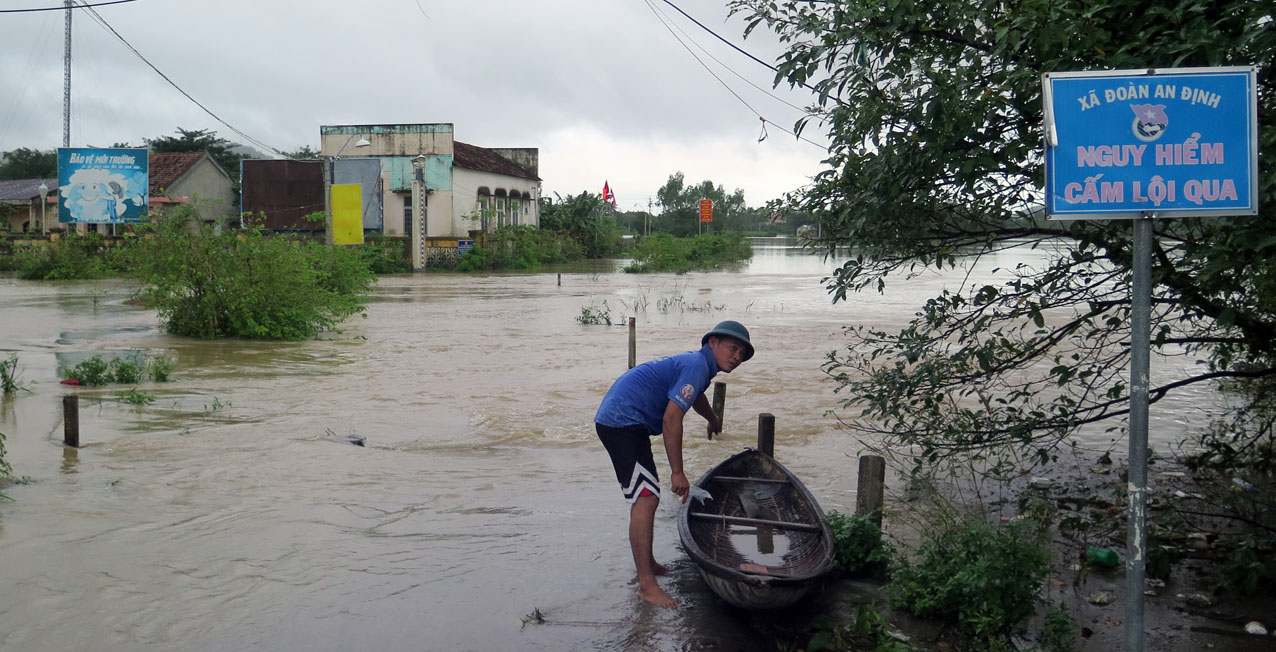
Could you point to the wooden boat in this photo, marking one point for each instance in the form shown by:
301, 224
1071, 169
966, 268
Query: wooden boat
761, 541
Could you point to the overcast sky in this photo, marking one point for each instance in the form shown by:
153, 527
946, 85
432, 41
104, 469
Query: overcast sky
601, 87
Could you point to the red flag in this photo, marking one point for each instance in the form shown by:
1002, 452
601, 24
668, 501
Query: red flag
608, 195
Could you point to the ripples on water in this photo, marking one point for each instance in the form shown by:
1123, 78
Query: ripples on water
223, 516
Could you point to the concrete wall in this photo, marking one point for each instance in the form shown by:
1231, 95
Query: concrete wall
398, 146
467, 184
206, 183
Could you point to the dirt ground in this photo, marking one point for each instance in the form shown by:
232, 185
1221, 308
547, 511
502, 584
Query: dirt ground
1187, 611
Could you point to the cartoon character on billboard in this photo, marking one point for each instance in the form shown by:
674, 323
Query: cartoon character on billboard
96, 195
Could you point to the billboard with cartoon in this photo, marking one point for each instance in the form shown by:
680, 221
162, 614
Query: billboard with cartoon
100, 185
1165, 142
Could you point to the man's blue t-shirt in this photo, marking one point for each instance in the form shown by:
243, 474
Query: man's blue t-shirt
640, 395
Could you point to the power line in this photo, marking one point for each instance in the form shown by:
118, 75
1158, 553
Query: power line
761, 117
250, 139
733, 45
63, 8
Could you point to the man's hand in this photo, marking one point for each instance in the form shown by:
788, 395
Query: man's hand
715, 427
680, 485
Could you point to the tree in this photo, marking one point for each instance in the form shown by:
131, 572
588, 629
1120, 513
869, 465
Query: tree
24, 163
680, 204
200, 140
935, 114
587, 219
303, 153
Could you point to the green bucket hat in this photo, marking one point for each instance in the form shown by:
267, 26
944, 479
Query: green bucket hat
731, 329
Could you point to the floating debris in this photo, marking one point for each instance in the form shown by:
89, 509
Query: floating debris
700, 494
352, 438
534, 618
1256, 628
1197, 599
1101, 598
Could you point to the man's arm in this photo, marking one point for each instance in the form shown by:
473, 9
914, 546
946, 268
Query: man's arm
702, 408
673, 448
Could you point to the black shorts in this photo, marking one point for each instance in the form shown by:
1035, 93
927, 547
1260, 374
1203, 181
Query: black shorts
630, 451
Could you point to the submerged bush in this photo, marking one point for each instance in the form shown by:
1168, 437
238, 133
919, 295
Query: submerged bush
979, 578
71, 257
129, 369
857, 544
520, 247
246, 283
664, 253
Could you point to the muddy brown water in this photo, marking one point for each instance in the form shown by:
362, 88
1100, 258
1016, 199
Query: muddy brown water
223, 517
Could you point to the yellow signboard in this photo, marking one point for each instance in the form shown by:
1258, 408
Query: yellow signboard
347, 213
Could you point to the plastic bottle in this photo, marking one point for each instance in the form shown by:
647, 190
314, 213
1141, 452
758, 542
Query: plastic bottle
1102, 557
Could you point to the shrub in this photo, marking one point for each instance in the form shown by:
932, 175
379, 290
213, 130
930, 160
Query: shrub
248, 284
387, 256
520, 247
159, 369
664, 253
72, 257
979, 578
9, 382
857, 544
92, 372
1060, 632
129, 369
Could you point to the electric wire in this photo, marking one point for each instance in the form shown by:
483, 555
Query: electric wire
63, 8
733, 45
20, 98
761, 117
188, 96
737, 74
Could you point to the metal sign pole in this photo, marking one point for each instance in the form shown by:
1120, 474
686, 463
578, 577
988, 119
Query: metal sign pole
1140, 345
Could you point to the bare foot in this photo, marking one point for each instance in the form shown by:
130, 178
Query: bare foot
658, 597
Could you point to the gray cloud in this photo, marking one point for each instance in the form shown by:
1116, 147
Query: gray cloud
506, 72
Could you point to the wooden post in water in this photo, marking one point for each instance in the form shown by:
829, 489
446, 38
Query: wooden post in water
560, 280
633, 343
766, 433
71, 420
719, 399
871, 488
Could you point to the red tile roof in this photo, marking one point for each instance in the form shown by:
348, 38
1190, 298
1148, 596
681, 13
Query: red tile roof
482, 159
167, 167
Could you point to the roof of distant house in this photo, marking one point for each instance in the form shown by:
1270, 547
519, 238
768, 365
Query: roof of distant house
25, 189
482, 159
167, 167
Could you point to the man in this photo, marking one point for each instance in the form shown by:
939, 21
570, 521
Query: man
652, 399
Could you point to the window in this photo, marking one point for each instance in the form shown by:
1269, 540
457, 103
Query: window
514, 208
407, 211
407, 214
500, 211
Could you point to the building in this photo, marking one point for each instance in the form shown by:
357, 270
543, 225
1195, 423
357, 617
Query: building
465, 189
20, 205
191, 177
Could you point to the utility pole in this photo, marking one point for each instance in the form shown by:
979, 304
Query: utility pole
66, 82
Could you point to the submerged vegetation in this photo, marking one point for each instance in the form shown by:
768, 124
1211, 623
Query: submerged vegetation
662, 252
246, 283
129, 369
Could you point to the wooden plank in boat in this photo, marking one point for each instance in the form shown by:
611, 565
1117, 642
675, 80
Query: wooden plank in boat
736, 478
783, 525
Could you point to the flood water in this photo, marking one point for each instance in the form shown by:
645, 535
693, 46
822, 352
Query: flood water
223, 517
